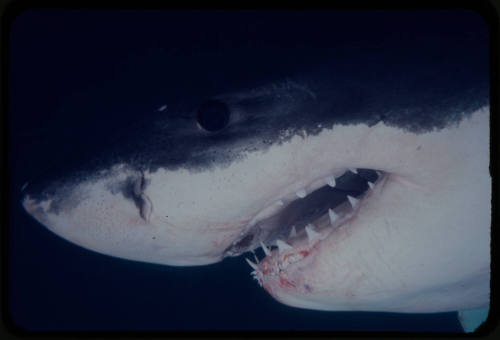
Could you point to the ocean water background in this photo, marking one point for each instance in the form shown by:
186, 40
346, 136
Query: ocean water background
76, 76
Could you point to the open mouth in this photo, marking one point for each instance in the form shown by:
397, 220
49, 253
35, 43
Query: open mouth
288, 230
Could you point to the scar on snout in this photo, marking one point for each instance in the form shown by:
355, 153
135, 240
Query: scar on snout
308, 288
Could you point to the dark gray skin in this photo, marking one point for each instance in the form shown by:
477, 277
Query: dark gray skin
431, 82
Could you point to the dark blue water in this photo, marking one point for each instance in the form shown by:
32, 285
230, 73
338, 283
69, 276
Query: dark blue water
75, 76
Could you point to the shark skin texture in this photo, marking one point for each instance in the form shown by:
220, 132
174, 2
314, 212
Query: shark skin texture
364, 183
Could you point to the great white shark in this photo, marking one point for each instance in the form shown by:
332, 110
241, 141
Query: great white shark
365, 184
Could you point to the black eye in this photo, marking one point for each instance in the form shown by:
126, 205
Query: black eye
213, 115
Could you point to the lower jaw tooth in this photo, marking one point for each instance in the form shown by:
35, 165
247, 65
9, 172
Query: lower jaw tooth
282, 246
266, 250
311, 233
255, 257
333, 216
354, 201
253, 265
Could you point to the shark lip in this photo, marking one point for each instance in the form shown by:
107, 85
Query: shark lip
310, 213
300, 243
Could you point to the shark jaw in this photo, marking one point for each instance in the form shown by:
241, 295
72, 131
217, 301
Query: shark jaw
377, 261
300, 240
325, 202
409, 246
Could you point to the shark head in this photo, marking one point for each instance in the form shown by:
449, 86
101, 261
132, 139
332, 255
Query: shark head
365, 184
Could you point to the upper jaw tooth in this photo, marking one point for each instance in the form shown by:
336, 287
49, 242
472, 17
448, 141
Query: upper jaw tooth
330, 180
301, 193
278, 205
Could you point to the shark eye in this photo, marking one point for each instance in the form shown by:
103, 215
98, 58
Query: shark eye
213, 115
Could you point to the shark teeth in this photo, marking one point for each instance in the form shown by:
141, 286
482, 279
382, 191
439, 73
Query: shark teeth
255, 257
257, 275
253, 265
354, 201
267, 251
282, 246
274, 207
330, 180
311, 233
298, 247
333, 216
301, 193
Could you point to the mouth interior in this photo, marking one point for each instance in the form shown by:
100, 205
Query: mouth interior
307, 215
